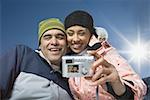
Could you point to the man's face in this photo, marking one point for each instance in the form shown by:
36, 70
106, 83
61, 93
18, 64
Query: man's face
78, 38
53, 45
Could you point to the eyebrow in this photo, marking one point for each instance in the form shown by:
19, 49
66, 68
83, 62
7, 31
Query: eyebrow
61, 34
55, 34
81, 30
46, 35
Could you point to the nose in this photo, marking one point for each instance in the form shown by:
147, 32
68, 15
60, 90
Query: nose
76, 38
54, 41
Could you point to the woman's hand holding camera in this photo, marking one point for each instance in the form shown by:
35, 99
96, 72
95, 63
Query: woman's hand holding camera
105, 72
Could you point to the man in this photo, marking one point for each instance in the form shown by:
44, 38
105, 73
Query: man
26, 74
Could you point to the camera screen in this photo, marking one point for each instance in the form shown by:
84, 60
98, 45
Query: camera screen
73, 68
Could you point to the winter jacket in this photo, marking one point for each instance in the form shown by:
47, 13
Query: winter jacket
135, 87
25, 75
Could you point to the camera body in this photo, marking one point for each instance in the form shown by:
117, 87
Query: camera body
76, 66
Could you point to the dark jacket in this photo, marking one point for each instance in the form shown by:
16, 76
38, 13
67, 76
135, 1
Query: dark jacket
24, 59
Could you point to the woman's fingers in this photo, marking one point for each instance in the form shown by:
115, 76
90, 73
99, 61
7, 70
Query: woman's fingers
94, 53
100, 62
103, 79
100, 73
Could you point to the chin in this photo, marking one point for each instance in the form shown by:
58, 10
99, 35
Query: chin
55, 59
76, 51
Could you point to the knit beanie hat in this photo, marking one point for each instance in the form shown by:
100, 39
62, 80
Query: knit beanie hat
48, 24
80, 18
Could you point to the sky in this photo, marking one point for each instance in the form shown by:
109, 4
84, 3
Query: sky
127, 23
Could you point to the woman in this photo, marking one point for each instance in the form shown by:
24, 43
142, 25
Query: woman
112, 78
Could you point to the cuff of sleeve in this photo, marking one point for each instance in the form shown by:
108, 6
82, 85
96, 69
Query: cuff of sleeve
128, 94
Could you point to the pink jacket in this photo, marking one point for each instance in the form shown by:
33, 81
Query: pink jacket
82, 90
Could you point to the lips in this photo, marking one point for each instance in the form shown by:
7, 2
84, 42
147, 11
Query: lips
76, 46
55, 50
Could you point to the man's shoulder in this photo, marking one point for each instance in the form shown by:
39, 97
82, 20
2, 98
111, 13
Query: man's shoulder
23, 49
22, 46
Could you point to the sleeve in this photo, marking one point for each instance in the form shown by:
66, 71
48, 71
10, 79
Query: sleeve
127, 74
128, 95
9, 70
147, 82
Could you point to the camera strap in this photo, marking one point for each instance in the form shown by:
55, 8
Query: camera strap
97, 96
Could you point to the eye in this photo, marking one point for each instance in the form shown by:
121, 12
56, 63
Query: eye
60, 36
81, 33
47, 37
70, 33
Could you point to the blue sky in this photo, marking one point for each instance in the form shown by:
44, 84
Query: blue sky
127, 21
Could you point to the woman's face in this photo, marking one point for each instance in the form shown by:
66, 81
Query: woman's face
78, 38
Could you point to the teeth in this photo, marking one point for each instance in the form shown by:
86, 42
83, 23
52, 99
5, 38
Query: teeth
54, 49
77, 46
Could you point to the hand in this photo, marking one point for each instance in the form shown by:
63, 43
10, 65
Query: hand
104, 72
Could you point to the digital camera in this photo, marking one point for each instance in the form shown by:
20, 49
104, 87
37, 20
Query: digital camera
76, 66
